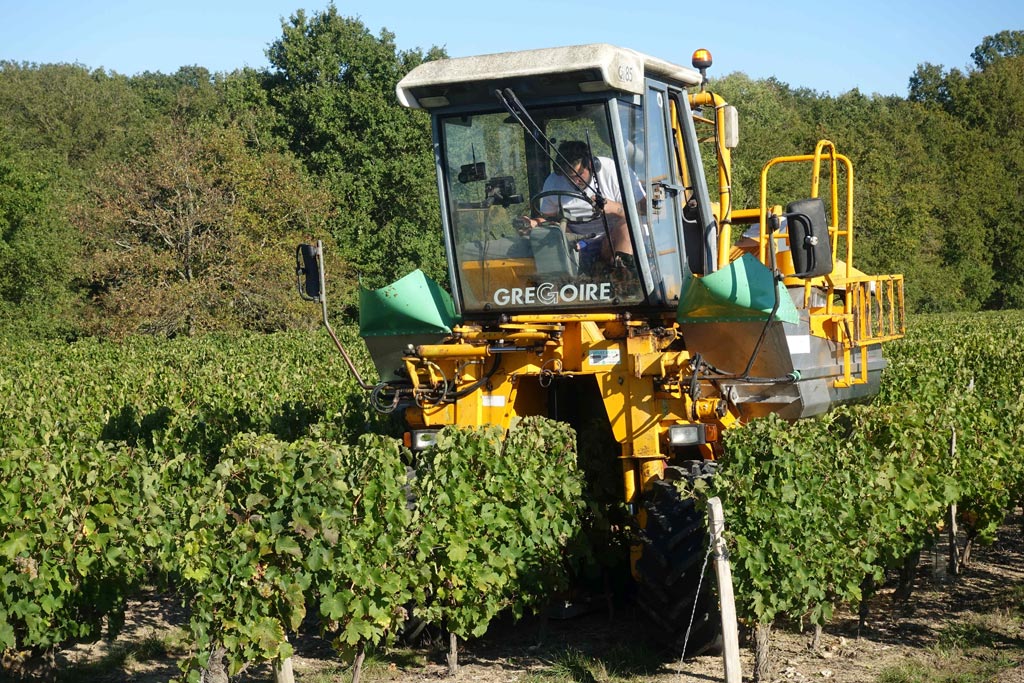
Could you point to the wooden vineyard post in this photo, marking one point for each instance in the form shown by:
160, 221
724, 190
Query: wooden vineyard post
723, 573
357, 665
283, 671
453, 654
954, 549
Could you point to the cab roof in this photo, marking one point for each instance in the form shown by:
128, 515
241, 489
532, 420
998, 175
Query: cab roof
549, 71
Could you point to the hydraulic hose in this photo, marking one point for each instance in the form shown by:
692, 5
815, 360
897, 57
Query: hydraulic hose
447, 394
467, 390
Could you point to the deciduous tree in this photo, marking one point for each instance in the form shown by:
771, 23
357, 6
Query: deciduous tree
197, 235
38, 248
334, 84
83, 117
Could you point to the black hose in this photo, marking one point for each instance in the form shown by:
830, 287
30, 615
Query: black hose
378, 398
448, 395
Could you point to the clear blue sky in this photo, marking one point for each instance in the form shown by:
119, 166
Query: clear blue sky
829, 46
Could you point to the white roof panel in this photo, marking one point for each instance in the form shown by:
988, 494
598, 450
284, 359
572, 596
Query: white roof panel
619, 68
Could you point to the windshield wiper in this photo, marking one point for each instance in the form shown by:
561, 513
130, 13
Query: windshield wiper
511, 102
508, 99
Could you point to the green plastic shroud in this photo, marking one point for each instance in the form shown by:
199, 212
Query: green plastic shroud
742, 291
413, 305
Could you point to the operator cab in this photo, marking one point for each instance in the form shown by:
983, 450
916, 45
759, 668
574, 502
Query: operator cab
563, 178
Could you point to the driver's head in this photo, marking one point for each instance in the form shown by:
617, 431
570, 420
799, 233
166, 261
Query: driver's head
577, 155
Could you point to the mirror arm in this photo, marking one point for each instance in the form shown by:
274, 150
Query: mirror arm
363, 384
322, 298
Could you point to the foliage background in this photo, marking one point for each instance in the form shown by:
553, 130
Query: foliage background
170, 203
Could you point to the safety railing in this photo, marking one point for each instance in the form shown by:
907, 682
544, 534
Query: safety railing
858, 310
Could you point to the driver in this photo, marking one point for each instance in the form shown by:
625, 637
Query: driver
576, 155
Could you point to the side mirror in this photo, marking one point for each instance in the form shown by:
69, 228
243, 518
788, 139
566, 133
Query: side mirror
309, 276
501, 190
809, 240
731, 137
309, 272
471, 173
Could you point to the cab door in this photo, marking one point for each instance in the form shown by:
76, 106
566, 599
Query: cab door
664, 189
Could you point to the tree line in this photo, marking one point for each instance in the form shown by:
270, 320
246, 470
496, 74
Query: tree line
938, 181
170, 204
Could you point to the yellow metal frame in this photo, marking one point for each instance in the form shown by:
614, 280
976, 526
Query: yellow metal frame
860, 310
641, 399
724, 165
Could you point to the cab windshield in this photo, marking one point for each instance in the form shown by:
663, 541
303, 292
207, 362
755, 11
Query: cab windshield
535, 228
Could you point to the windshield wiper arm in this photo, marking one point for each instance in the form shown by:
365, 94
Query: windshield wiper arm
511, 102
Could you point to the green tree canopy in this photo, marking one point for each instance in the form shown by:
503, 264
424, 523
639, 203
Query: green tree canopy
334, 84
171, 202
37, 248
80, 116
1001, 45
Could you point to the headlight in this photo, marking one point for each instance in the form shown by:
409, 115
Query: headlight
420, 439
687, 435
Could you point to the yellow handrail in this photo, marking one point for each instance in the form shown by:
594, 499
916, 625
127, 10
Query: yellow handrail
833, 228
724, 156
872, 310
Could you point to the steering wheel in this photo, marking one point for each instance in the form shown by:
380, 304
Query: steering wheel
569, 214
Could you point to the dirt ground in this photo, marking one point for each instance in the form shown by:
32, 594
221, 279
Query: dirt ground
967, 629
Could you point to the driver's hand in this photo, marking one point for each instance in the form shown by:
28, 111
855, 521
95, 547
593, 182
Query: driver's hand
614, 208
524, 224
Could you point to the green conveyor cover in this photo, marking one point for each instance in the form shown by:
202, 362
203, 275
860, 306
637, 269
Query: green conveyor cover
742, 291
413, 305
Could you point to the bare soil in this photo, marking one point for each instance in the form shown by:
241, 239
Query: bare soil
965, 629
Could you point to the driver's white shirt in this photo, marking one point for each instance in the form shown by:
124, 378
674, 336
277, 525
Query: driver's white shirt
607, 179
